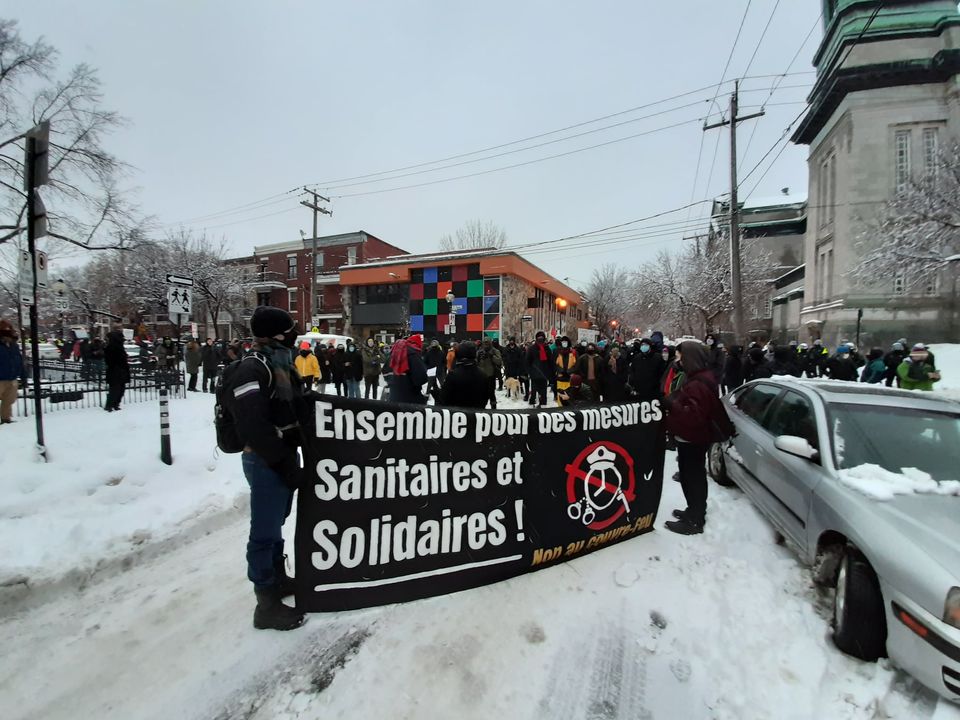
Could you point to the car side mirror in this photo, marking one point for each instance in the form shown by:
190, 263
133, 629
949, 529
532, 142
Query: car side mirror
798, 446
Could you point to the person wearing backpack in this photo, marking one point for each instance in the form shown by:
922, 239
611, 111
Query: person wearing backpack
697, 419
261, 393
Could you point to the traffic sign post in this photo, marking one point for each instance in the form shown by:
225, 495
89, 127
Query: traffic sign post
179, 298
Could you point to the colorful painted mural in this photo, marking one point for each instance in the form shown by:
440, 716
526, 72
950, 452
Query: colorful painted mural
476, 302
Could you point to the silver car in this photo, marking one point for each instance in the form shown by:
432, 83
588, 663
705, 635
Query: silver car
895, 563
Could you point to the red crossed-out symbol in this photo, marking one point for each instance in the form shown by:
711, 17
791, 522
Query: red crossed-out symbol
579, 470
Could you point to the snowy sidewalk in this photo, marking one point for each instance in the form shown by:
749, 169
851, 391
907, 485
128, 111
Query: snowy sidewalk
105, 494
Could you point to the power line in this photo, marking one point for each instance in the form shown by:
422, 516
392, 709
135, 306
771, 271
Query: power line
776, 83
327, 183
521, 164
732, 49
239, 208
793, 122
762, 36
519, 150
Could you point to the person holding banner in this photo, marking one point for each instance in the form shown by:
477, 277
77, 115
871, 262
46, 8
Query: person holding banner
263, 397
409, 373
696, 418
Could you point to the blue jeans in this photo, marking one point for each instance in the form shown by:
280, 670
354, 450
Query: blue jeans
270, 503
353, 388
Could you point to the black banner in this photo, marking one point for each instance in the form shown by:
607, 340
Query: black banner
403, 502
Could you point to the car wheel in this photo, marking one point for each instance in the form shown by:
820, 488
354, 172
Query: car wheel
716, 465
859, 624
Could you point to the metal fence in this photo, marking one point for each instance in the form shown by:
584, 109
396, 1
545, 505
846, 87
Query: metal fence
68, 385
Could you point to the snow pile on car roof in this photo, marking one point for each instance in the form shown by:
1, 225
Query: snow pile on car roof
881, 484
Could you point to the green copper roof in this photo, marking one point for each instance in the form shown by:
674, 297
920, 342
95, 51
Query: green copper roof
844, 20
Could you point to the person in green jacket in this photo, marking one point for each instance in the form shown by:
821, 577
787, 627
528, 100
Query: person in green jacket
917, 371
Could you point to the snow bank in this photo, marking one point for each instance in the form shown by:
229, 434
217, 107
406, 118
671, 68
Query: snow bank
881, 484
948, 363
104, 492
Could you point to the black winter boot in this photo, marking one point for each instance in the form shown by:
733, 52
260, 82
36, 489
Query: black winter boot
272, 614
285, 583
684, 527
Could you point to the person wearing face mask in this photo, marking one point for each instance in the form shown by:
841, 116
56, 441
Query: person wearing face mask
918, 371
372, 366
262, 395
590, 367
646, 369
325, 364
408, 373
513, 365
715, 354
541, 366
566, 365
840, 366
307, 366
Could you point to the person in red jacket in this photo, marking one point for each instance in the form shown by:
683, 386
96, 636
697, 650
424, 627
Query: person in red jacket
697, 419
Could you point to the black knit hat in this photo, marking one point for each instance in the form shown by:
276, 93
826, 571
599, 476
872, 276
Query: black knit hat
269, 321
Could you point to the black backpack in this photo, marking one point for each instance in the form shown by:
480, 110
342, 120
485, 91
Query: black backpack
224, 422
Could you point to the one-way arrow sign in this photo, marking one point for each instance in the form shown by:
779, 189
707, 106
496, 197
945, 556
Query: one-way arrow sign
179, 280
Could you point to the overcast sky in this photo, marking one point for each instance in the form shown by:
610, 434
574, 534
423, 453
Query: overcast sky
234, 103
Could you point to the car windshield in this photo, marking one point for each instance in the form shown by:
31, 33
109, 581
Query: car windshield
895, 438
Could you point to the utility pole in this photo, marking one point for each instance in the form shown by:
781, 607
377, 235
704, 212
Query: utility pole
36, 169
735, 285
315, 206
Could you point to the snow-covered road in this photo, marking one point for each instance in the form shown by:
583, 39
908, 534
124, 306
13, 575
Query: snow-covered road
745, 636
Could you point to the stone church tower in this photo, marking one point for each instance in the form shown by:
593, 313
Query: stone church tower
885, 99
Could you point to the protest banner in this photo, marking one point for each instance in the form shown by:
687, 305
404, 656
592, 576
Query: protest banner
401, 502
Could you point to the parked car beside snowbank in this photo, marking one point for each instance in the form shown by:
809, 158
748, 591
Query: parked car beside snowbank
862, 480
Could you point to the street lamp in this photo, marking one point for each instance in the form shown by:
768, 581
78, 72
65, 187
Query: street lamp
561, 311
452, 316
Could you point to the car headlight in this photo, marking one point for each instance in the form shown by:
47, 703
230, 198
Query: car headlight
951, 611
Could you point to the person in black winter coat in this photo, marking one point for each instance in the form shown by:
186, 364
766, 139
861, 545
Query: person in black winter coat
262, 395
209, 360
613, 381
715, 356
892, 360
733, 369
646, 369
118, 370
784, 362
466, 384
842, 366
514, 365
756, 365
435, 358
540, 365
339, 370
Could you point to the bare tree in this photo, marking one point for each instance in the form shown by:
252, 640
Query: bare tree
609, 292
691, 289
85, 207
475, 235
916, 235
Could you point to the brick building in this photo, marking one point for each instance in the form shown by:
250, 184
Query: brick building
282, 275
496, 293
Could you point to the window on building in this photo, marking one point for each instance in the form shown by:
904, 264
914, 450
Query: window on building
930, 150
901, 159
768, 308
320, 300
292, 299
261, 270
832, 185
362, 295
352, 255
932, 285
263, 298
829, 287
822, 195
320, 261
291, 267
899, 285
